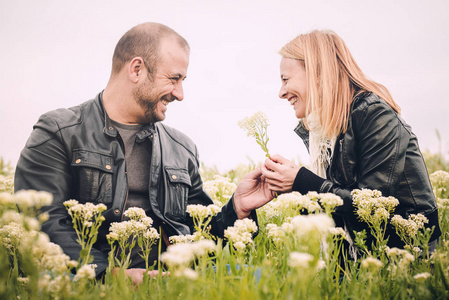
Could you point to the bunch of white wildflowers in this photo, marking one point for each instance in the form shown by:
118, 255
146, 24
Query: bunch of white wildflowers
300, 260
220, 189
60, 286
85, 273
6, 177
147, 238
311, 231
371, 207
400, 261
7, 202
138, 229
408, 229
375, 210
240, 235
135, 213
443, 204
257, 127
371, 264
27, 222
279, 233
421, 277
20, 236
7, 184
289, 205
313, 224
440, 184
47, 255
339, 233
30, 203
328, 201
180, 257
188, 238
202, 216
86, 219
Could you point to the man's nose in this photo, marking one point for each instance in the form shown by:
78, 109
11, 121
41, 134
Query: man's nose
178, 92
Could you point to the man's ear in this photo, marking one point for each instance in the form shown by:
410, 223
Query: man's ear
135, 69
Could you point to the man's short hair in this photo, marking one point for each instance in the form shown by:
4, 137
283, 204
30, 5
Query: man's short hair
143, 41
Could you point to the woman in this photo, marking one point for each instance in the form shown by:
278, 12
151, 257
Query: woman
354, 134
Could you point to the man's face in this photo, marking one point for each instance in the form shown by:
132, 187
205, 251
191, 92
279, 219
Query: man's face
165, 86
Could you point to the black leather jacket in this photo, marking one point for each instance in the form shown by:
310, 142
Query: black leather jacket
77, 154
378, 151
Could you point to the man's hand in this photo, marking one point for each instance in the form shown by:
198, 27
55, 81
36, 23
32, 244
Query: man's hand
279, 173
251, 193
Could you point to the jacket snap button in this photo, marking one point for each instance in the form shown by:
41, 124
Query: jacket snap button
111, 128
117, 211
174, 176
78, 161
108, 167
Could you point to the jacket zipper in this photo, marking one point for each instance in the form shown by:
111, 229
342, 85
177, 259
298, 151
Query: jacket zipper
127, 190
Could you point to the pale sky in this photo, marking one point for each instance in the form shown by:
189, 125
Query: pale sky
58, 54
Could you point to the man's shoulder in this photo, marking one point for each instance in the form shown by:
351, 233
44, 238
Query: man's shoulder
62, 118
177, 136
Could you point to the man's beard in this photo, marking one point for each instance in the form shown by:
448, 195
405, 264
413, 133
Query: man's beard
147, 101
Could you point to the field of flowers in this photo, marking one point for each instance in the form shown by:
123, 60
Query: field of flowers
296, 254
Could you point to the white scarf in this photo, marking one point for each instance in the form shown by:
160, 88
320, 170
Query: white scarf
320, 148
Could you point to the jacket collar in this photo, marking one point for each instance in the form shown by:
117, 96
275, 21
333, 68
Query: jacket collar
108, 128
303, 133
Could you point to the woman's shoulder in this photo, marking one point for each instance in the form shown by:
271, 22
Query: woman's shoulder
369, 102
366, 99
367, 107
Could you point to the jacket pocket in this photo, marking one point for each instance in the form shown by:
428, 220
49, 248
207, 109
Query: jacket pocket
178, 183
93, 176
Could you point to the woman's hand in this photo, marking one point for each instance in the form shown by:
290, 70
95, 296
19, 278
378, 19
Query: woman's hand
279, 173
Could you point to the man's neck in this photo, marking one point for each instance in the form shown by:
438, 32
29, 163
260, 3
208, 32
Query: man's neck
120, 105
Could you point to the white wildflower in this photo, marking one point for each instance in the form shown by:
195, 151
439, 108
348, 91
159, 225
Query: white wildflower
177, 239
186, 273
371, 264
329, 201
299, 260
312, 224
32, 199
241, 233
135, 213
257, 126
220, 189
85, 272
421, 277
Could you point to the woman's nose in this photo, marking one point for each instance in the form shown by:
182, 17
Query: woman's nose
282, 93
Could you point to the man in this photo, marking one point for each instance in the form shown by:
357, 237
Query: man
114, 150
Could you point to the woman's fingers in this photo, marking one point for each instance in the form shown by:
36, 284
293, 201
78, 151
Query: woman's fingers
279, 159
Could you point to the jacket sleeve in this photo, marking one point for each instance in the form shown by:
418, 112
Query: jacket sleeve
225, 218
381, 142
44, 166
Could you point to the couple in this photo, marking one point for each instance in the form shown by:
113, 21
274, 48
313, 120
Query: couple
114, 149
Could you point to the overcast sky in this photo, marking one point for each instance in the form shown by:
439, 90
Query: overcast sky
58, 54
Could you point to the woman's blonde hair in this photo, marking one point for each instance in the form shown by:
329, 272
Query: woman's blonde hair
333, 79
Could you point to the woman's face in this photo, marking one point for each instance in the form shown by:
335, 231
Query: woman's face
294, 85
